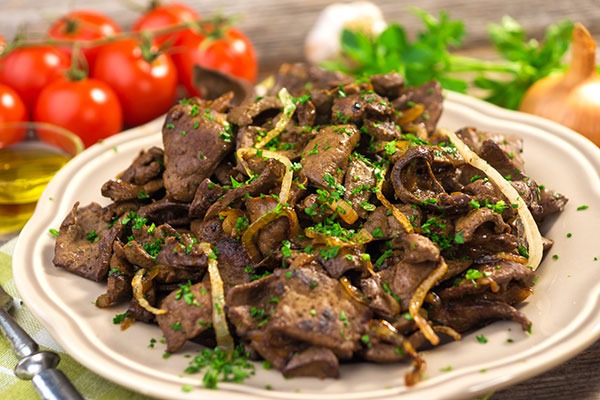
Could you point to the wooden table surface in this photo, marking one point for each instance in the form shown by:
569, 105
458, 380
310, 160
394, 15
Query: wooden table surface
278, 28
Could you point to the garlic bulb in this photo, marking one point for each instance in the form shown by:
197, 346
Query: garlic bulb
571, 98
323, 40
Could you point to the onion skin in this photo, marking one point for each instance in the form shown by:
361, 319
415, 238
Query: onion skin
571, 98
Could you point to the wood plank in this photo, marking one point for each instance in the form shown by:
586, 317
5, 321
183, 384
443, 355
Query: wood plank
278, 28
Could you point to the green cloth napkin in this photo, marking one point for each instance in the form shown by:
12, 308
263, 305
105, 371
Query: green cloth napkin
90, 385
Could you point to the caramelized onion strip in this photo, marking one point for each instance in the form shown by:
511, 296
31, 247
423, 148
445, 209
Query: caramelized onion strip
230, 217
448, 331
344, 211
352, 290
416, 301
416, 374
286, 183
219, 319
264, 220
362, 237
137, 284
286, 116
399, 215
411, 114
532, 233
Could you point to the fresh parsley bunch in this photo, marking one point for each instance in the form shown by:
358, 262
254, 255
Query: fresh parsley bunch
430, 56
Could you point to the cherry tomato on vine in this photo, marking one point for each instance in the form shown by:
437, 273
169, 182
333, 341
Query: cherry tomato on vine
165, 15
145, 81
225, 49
87, 107
12, 109
29, 69
82, 26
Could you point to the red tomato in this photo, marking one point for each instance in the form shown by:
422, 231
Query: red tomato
146, 85
229, 51
29, 69
83, 25
87, 107
12, 109
163, 16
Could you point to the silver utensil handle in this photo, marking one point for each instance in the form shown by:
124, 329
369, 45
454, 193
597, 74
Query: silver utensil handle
21, 341
52, 384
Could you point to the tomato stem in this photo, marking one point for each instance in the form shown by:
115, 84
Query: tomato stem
215, 27
78, 69
71, 26
148, 53
104, 40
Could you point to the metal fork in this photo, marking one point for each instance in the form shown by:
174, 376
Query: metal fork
35, 365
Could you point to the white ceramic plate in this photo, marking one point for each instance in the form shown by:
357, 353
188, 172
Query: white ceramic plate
565, 308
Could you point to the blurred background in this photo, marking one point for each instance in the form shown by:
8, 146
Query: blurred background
278, 28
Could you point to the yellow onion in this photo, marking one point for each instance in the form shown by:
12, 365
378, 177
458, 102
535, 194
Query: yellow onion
571, 98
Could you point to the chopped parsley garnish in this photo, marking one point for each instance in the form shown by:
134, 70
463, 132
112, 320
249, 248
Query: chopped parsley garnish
286, 249
184, 292
117, 319
153, 248
177, 326
241, 224
472, 275
390, 148
92, 236
219, 366
523, 251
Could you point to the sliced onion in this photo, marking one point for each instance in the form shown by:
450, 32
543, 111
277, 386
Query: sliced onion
344, 211
127, 322
137, 284
286, 183
446, 330
416, 301
264, 220
362, 237
352, 290
219, 319
286, 116
532, 233
399, 215
412, 113
230, 216
416, 375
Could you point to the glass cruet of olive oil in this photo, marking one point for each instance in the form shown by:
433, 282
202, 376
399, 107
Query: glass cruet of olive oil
30, 154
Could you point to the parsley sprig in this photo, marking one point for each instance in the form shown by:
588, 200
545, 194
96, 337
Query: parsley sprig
218, 366
431, 56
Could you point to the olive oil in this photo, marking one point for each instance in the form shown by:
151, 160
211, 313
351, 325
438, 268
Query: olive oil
25, 170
